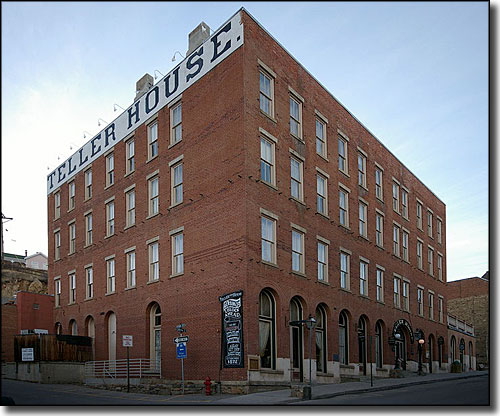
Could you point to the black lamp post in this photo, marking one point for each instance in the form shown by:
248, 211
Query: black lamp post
397, 336
421, 342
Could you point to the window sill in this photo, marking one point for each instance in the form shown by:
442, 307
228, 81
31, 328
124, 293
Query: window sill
151, 159
172, 276
323, 157
129, 173
110, 293
323, 215
396, 211
71, 209
109, 186
152, 216
405, 218
380, 247
71, 303
381, 302
323, 282
87, 199
129, 226
109, 236
364, 296
268, 184
268, 263
345, 227
88, 245
175, 205
173, 144
363, 187
344, 173
364, 237
130, 288
269, 117
343, 289
71, 254
87, 299
297, 138
150, 282
292, 198
299, 274
380, 200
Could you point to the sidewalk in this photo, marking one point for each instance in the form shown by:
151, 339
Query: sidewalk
323, 391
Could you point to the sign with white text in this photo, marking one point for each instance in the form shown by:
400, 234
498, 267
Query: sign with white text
27, 354
128, 341
232, 330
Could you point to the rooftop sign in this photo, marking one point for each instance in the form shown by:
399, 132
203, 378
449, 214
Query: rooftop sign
206, 57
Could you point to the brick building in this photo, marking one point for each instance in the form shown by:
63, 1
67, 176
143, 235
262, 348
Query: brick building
239, 174
469, 299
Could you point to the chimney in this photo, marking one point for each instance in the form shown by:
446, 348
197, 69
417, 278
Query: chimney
143, 85
25, 253
198, 36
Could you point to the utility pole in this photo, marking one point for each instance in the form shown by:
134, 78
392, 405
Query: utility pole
4, 219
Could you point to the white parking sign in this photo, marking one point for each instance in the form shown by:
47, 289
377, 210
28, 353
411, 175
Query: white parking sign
127, 341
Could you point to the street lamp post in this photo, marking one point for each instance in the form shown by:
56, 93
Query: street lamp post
397, 336
421, 342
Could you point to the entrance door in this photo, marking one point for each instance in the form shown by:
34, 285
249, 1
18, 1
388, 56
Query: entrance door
296, 344
362, 343
430, 354
400, 345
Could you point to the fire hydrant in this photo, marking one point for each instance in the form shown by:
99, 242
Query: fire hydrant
208, 385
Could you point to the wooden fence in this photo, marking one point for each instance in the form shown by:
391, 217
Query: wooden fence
54, 347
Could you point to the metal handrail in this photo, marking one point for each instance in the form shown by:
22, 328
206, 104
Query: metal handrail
139, 368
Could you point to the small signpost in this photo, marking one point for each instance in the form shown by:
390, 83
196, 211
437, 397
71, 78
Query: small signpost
128, 341
27, 354
181, 348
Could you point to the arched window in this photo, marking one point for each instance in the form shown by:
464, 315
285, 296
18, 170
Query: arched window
111, 336
362, 336
59, 328
321, 353
73, 328
155, 336
267, 334
378, 345
343, 338
296, 346
453, 349
90, 326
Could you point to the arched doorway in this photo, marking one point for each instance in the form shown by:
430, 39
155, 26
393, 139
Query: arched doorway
58, 328
296, 341
267, 330
440, 351
362, 335
379, 360
155, 336
90, 331
453, 349
73, 328
402, 333
343, 338
320, 330
111, 324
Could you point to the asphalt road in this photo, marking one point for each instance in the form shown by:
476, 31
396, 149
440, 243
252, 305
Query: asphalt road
473, 391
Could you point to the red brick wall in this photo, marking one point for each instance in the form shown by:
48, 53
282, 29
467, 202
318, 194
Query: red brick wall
34, 311
466, 288
9, 329
221, 220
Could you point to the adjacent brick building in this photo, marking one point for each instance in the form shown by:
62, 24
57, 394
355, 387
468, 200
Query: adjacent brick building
250, 179
469, 300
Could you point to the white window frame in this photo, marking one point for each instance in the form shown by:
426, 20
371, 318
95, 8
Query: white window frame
430, 297
88, 183
397, 291
404, 202
363, 278
110, 275
395, 196
321, 141
323, 246
110, 218
379, 229
430, 260
345, 274
405, 295
380, 271
293, 120
130, 206
72, 237
154, 261
439, 230
57, 205
420, 301
89, 282
379, 182
363, 218
57, 244
272, 242
131, 268
299, 182
420, 210
266, 141
57, 291
361, 169
298, 251
177, 256
153, 197
176, 186
110, 169
430, 218
72, 287
440, 266
343, 159
396, 240
71, 195
153, 142
405, 243
420, 254
88, 229
130, 155
344, 210
322, 177
266, 73
175, 126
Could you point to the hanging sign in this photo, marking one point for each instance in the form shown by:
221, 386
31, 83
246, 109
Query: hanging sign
232, 330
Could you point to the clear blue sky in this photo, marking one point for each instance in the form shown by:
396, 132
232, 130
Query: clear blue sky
415, 74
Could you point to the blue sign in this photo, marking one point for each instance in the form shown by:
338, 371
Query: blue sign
181, 350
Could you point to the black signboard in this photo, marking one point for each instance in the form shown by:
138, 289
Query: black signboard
232, 330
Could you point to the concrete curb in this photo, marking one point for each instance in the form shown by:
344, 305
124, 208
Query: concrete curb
382, 388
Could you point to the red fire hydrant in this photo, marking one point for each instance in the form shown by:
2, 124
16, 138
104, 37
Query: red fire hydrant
208, 385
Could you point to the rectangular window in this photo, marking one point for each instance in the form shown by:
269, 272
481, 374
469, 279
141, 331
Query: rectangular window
57, 205
266, 93
268, 230
152, 140
110, 169
431, 306
71, 195
88, 184
344, 270
429, 223
72, 238
321, 138
154, 198
395, 240
57, 245
420, 301
420, 264
322, 261
361, 170
110, 274
378, 184
362, 219
110, 218
88, 229
344, 207
154, 262
89, 278
440, 267
131, 281
72, 288
430, 260
397, 283
380, 285
296, 185
297, 251
395, 197
57, 292
130, 206
176, 124
379, 230
267, 167
439, 231
404, 203
178, 253
295, 117
406, 296
130, 147
419, 215
405, 246
440, 309
322, 194
176, 174
363, 278
342, 154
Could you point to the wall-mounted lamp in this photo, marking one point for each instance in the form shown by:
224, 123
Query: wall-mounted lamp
99, 121
156, 76
85, 133
116, 105
177, 52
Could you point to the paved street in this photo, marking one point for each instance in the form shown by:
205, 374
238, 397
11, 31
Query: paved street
473, 391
